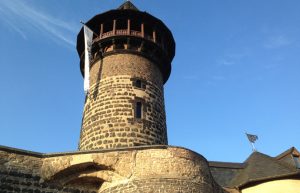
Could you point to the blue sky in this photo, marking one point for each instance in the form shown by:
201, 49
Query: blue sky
236, 69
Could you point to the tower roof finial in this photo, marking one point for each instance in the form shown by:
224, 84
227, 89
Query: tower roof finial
128, 5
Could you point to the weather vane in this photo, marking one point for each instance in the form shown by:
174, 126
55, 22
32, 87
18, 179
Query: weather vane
252, 139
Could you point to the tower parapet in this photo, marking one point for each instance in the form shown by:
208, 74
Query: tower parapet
131, 61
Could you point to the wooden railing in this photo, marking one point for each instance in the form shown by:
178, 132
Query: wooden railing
124, 32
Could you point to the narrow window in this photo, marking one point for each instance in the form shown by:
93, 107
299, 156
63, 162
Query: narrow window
138, 110
138, 83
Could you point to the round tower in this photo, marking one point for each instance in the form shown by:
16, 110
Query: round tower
131, 61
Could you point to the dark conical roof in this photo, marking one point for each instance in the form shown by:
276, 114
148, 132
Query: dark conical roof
128, 5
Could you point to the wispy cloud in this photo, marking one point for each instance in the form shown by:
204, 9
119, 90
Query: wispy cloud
22, 18
191, 77
231, 59
226, 62
277, 42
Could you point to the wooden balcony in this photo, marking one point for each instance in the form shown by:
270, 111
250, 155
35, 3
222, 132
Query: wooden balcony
124, 32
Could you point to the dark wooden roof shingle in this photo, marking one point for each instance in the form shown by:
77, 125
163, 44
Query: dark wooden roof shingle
261, 167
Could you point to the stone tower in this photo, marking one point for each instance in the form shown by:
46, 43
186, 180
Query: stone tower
131, 61
123, 132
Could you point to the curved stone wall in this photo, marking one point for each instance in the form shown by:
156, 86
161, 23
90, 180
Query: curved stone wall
141, 169
109, 118
161, 185
138, 169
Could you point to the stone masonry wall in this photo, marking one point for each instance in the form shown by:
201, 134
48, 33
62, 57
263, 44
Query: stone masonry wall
20, 172
142, 169
109, 114
145, 169
160, 185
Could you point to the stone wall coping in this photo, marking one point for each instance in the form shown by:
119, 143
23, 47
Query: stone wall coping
48, 155
21, 151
